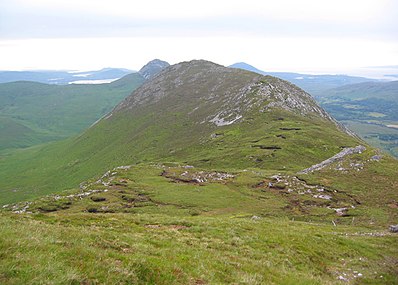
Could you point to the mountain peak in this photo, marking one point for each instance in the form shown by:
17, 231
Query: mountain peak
222, 95
152, 68
246, 66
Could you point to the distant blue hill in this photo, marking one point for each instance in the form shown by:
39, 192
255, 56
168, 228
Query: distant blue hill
316, 85
62, 77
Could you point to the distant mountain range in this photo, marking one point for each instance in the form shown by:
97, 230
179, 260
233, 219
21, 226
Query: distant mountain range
104, 75
313, 84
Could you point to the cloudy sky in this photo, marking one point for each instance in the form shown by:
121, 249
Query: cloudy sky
329, 36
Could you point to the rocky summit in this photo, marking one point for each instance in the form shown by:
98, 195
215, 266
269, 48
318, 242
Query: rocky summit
152, 68
234, 92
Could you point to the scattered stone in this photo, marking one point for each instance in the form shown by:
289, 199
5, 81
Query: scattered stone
188, 166
277, 177
376, 157
371, 234
394, 228
123, 167
342, 212
197, 177
255, 218
85, 194
216, 135
21, 208
325, 197
357, 166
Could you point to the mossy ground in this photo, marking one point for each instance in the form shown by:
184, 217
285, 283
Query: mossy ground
161, 249
173, 224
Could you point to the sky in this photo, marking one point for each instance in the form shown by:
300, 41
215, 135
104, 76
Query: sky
312, 36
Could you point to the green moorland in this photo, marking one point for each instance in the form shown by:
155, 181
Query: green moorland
157, 193
32, 113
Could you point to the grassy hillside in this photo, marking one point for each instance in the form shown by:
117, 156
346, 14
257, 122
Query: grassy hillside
127, 140
196, 178
158, 249
156, 224
35, 113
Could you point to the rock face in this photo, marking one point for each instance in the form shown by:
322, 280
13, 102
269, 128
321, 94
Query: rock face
152, 68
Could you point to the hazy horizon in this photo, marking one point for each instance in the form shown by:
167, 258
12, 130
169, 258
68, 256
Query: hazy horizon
316, 37
371, 72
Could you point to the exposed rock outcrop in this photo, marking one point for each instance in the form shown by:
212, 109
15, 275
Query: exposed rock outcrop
337, 157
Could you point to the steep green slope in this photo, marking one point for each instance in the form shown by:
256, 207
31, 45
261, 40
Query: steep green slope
52, 112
